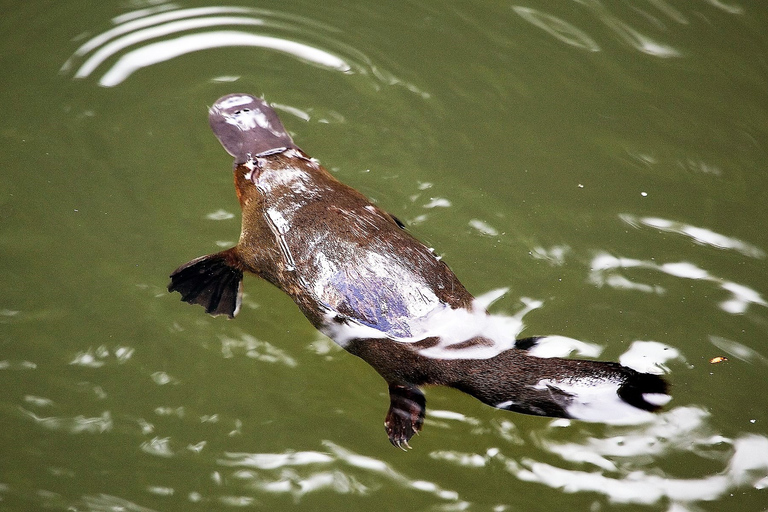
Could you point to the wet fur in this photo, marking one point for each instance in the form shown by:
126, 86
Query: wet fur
330, 218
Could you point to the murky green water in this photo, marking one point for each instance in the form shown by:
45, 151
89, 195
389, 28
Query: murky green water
605, 158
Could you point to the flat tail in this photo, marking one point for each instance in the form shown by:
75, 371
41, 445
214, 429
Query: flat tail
214, 282
645, 391
596, 391
617, 395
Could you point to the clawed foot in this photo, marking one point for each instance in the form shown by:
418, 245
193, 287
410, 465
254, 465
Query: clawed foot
406, 414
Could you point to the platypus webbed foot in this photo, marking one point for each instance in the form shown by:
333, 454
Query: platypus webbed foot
406, 414
213, 281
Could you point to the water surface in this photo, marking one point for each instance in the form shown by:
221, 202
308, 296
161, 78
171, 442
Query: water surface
607, 159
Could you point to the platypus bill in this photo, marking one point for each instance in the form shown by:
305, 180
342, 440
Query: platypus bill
360, 278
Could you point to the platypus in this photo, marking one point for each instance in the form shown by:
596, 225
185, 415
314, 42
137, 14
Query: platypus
360, 277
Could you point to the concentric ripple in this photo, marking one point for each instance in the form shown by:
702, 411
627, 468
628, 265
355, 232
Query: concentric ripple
151, 36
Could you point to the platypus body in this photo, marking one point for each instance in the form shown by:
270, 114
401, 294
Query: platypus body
360, 278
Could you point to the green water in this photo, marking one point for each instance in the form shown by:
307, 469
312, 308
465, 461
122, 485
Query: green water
605, 158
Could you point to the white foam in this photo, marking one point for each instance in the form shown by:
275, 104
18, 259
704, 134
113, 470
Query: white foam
562, 346
451, 328
597, 400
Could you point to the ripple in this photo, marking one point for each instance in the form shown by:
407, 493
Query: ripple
738, 350
631, 36
96, 358
483, 227
220, 215
604, 268
147, 37
701, 236
166, 50
301, 473
748, 466
109, 503
112, 48
622, 465
160, 446
255, 349
729, 8
275, 460
561, 30
141, 26
74, 425
17, 365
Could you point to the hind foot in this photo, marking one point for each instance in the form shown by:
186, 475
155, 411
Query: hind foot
406, 414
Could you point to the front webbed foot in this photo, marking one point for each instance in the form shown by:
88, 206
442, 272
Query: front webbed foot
406, 414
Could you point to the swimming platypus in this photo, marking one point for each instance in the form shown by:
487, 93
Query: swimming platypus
362, 279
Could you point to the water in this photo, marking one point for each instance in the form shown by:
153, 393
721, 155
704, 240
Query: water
604, 158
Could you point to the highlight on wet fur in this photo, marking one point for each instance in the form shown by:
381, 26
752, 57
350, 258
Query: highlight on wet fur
361, 278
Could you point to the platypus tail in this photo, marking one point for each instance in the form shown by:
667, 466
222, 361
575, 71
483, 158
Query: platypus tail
564, 388
214, 282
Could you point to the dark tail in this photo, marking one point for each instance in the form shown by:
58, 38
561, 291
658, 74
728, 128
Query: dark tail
564, 388
214, 282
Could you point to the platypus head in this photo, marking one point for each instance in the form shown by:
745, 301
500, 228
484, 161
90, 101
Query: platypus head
246, 126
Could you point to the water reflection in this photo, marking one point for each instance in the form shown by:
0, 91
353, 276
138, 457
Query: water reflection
558, 28
746, 466
255, 349
99, 356
738, 350
150, 36
623, 465
700, 235
649, 356
166, 50
339, 469
605, 268
140, 36
73, 425
727, 7
109, 503
624, 461
632, 36
567, 33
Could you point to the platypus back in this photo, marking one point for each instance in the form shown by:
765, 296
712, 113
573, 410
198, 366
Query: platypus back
385, 297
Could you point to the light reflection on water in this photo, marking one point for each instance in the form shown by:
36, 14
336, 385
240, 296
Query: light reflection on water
700, 235
627, 465
140, 33
338, 469
606, 266
621, 464
558, 28
166, 50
